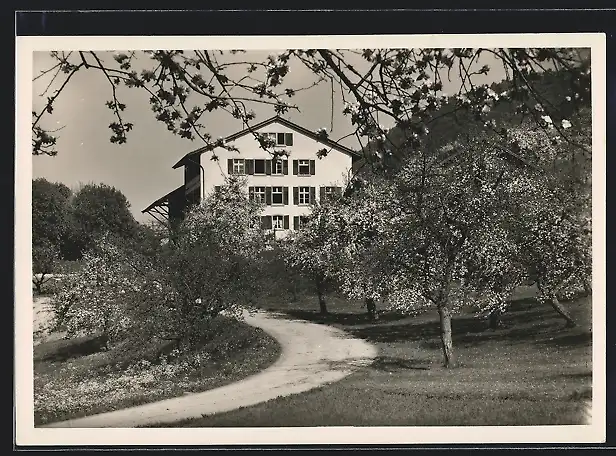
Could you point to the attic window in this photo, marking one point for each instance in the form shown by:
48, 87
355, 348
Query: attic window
281, 139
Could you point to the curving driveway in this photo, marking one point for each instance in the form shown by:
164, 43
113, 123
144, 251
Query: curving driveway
312, 355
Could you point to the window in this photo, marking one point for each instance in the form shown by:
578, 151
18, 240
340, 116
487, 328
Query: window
304, 195
329, 192
280, 139
300, 221
259, 166
277, 195
303, 167
278, 222
238, 166
257, 194
277, 167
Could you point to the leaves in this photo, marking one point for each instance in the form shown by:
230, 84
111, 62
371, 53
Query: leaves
398, 86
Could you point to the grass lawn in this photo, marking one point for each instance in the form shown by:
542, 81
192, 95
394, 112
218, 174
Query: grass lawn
74, 378
530, 372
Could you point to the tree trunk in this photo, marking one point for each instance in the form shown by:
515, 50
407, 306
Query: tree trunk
559, 308
321, 293
371, 307
494, 319
587, 286
446, 339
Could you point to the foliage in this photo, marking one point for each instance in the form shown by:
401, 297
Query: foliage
552, 213
95, 381
45, 256
49, 211
403, 87
459, 220
97, 209
142, 292
311, 252
436, 232
101, 296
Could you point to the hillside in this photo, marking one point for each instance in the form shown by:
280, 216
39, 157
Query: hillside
450, 121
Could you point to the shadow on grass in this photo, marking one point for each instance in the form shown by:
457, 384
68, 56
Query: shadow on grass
343, 318
577, 375
392, 364
570, 340
472, 331
62, 350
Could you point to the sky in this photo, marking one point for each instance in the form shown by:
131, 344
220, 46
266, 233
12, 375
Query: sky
142, 168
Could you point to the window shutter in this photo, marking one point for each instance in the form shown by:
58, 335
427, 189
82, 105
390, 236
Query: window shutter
285, 195
288, 139
295, 222
338, 190
251, 193
286, 222
268, 167
266, 222
285, 167
268, 196
295, 167
230, 165
312, 167
250, 166
296, 195
312, 195
217, 188
322, 194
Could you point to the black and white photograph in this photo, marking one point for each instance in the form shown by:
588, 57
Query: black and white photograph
376, 235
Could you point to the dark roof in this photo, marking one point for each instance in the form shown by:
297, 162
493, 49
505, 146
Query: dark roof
285, 122
163, 199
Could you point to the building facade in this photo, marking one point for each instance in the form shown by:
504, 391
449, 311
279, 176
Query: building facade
287, 184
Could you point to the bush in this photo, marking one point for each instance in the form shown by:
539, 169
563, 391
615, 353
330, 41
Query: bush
148, 293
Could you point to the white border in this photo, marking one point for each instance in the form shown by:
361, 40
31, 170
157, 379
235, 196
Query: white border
26, 434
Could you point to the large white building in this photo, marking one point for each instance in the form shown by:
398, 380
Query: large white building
288, 185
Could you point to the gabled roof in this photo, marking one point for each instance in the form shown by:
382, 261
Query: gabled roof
271, 120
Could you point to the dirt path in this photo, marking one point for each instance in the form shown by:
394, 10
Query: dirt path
312, 355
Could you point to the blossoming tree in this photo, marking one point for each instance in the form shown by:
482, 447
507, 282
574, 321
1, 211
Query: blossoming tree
397, 87
552, 212
172, 292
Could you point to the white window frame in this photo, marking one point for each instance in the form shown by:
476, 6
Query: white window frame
259, 194
303, 193
275, 220
238, 163
275, 164
301, 163
275, 191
